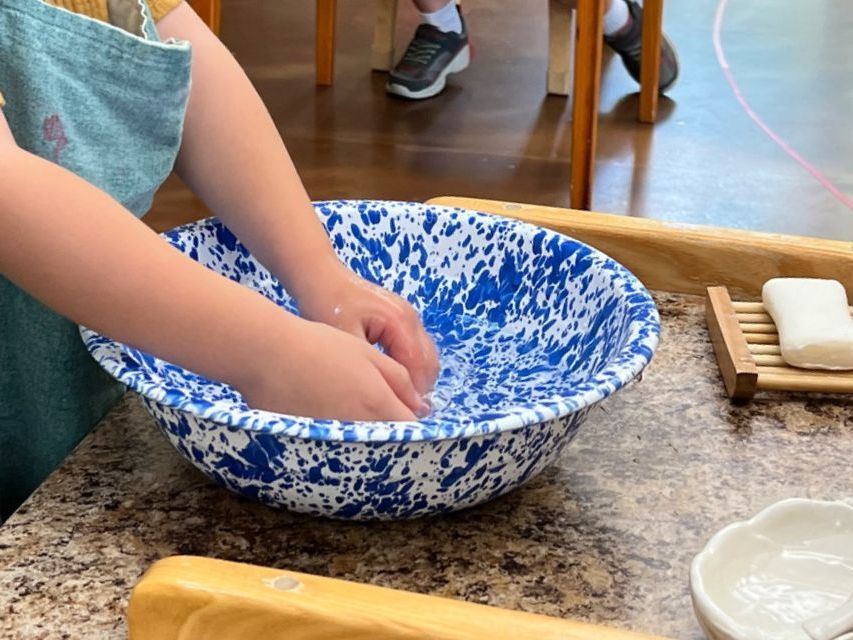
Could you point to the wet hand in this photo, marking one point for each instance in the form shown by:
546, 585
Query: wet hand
347, 302
311, 369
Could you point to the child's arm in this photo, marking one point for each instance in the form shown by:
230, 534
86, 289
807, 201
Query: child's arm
81, 253
233, 157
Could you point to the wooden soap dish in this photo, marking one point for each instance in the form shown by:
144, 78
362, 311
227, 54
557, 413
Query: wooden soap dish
747, 347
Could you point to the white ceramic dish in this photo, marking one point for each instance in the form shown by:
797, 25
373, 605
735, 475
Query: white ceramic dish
761, 579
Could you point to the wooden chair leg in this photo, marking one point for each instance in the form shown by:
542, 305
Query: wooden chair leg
590, 24
210, 11
383, 35
650, 62
561, 32
325, 41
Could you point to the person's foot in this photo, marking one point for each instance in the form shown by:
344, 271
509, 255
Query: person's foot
628, 43
431, 56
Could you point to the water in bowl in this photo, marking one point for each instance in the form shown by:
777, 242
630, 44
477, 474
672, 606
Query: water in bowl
483, 374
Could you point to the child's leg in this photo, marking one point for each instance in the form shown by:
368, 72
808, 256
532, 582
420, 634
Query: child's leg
441, 14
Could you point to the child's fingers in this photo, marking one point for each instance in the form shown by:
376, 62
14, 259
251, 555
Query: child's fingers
432, 362
405, 340
393, 370
423, 364
398, 378
394, 411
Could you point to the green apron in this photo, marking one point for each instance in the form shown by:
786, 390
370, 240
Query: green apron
106, 101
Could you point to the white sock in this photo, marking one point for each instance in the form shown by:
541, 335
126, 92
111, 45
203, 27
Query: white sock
447, 18
616, 18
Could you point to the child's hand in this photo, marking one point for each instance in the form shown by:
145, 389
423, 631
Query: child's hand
343, 300
245, 176
315, 370
200, 321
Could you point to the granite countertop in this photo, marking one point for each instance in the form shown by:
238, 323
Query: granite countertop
605, 535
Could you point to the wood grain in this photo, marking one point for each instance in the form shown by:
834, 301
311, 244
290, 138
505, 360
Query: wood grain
650, 60
687, 258
761, 339
795, 373
210, 11
325, 41
756, 327
382, 52
737, 365
561, 33
765, 349
821, 383
191, 597
748, 307
756, 309
754, 317
588, 52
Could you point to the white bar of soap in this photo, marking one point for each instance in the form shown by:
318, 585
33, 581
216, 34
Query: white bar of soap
813, 320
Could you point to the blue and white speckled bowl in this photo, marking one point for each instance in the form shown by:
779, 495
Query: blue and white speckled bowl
533, 329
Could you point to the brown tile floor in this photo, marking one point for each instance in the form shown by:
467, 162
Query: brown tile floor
494, 133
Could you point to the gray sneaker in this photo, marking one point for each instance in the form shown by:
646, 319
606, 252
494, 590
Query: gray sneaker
431, 56
629, 46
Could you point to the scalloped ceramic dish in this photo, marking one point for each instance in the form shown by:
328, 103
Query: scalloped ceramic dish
761, 579
533, 329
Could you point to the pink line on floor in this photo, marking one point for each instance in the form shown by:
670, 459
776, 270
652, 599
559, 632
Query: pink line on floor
846, 200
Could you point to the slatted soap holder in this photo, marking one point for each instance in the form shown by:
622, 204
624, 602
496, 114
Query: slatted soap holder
746, 343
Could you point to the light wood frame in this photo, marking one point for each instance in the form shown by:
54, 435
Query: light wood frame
193, 598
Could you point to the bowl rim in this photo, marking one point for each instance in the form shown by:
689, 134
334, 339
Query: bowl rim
706, 608
642, 337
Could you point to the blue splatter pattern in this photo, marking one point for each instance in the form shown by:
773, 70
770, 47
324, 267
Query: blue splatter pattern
533, 329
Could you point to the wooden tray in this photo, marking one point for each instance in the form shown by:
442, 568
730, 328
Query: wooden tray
746, 342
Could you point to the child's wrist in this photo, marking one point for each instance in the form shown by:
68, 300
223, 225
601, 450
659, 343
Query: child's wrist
263, 342
322, 275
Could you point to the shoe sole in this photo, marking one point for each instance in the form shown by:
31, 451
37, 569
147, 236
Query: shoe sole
459, 63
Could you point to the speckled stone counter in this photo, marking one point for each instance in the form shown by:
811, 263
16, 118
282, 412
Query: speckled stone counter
606, 535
